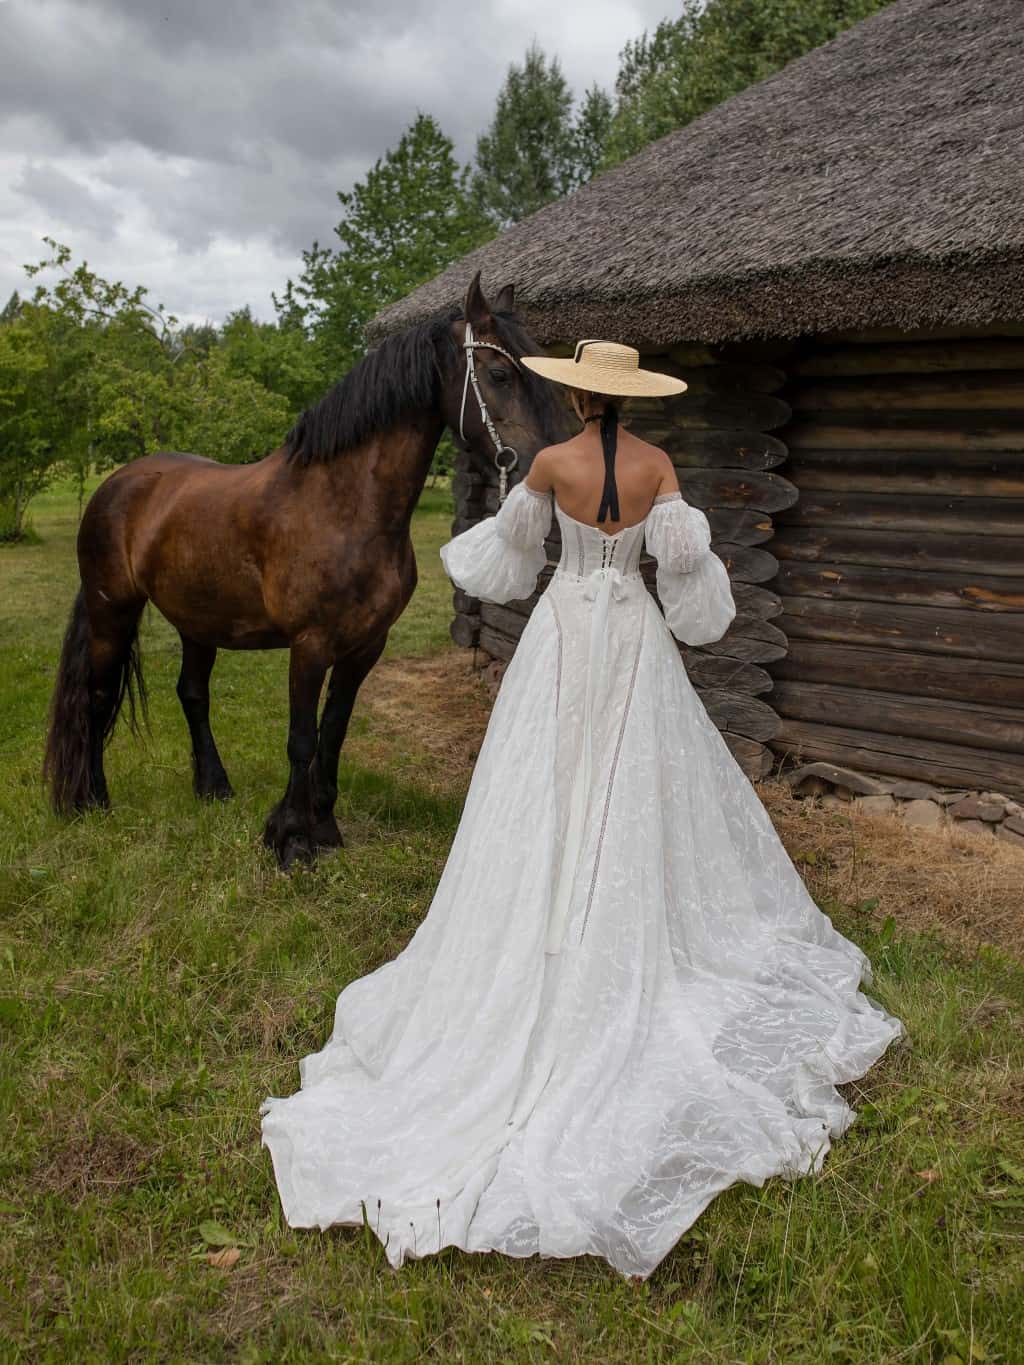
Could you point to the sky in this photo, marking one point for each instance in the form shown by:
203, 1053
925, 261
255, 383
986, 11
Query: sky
196, 146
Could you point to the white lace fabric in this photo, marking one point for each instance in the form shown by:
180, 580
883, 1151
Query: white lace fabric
623, 998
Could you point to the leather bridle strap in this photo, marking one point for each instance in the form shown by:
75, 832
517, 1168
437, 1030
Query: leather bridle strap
470, 344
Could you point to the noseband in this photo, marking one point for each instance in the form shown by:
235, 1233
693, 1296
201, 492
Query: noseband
504, 467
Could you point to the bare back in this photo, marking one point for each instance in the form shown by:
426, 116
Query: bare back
574, 471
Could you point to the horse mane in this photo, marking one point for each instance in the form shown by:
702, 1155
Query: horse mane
399, 376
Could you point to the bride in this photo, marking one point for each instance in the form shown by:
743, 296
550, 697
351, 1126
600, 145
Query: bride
623, 998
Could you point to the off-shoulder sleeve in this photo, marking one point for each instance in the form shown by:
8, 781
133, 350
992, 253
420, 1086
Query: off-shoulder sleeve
500, 557
693, 583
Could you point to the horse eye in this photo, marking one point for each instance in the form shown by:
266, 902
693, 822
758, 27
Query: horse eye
498, 373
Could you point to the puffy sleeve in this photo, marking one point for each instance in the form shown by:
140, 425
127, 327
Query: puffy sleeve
693, 583
500, 557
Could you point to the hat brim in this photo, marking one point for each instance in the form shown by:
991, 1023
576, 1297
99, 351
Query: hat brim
618, 383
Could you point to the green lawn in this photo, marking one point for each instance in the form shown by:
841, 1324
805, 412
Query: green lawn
158, 978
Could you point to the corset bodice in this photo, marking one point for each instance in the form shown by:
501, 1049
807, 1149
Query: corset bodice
586, 549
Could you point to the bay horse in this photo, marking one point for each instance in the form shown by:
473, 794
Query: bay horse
307, 550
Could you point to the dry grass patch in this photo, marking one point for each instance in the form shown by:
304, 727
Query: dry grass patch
968, 888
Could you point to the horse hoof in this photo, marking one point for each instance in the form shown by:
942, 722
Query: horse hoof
214, 791
327, 836
297, 852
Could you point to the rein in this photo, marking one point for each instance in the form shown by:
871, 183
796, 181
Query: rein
500, 448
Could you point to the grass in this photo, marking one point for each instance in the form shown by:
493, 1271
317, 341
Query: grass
158, 978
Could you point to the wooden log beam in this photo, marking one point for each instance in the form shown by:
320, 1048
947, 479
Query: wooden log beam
754, 758
855, 582
464, 629
729, 675
734, 449
754, 601
495, 643
739, 525
927, 357
746, 565
729, 412
940, 630
985, 392
731, 379
986, 681
952, 722
947, 434
739, 713
894, 512
858, 472
751, 641
1002, 556
950, 765
763, 492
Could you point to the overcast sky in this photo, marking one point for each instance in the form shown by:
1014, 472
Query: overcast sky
195, 146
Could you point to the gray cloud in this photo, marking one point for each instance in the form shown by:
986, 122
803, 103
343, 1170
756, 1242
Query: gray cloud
196, 147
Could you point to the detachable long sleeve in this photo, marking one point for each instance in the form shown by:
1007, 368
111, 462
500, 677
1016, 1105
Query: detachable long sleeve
500, 557
693, 583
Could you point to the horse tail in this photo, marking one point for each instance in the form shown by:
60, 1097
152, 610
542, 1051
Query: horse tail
70, 765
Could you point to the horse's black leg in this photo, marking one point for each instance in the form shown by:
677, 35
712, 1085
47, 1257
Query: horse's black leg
112, 649
209, 779
346, 678
289, 827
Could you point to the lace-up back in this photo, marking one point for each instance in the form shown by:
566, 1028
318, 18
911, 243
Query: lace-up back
587, 549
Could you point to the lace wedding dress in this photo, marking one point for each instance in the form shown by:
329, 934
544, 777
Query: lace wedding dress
623, 998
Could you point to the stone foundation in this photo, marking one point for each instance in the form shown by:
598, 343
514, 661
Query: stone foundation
990, 814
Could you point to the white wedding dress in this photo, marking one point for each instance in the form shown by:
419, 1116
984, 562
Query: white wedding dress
623, 998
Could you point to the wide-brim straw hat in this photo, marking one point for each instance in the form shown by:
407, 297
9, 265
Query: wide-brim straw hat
605, 367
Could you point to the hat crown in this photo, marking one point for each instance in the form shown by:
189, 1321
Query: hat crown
607, 354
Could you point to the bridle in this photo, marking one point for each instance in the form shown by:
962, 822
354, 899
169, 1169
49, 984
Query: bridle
469, 345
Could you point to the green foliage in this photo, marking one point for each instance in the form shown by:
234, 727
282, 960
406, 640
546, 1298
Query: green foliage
409, 218
714, 50
536, 149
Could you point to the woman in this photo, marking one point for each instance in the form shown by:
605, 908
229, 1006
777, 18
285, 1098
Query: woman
623, 998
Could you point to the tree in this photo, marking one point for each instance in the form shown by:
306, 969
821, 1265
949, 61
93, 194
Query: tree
403, 224
590, 131
713, 51
279, 357
525, 159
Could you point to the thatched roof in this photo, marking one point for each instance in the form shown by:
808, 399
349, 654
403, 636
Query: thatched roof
878, 181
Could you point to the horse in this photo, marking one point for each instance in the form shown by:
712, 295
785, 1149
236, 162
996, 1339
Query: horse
307, 550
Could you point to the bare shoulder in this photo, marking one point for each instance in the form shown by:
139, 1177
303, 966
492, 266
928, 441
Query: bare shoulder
540, 475
657, 460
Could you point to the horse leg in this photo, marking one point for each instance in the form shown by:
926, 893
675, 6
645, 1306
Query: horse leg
346, 678
209, 779
114, 672
289, 827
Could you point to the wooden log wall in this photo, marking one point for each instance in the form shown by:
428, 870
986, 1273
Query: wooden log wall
901, 567
719, 435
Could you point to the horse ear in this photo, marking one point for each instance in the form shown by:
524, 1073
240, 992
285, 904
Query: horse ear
506, 300
476, 309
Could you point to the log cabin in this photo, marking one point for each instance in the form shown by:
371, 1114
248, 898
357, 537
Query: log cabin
834, 262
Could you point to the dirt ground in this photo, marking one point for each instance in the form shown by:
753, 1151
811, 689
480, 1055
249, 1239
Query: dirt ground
968, 888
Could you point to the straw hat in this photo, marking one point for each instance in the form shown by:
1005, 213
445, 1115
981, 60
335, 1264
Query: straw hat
605, 367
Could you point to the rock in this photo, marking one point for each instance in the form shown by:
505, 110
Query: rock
1014, 808
876, 805
972, 827
1009, 836
1014, 824
839, 777
916, 791
977, 808
950, 798
831, 802
923, 814
811, 786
